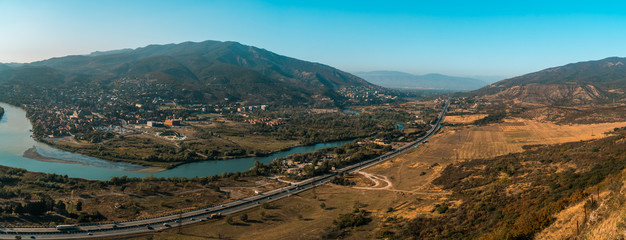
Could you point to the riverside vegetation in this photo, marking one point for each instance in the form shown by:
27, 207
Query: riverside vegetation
229, 136
28, 198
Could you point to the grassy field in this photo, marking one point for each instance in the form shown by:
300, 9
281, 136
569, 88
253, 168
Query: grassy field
297, 217
464, 119
224, 141
118, 200
415, 170
514, 134
149, 199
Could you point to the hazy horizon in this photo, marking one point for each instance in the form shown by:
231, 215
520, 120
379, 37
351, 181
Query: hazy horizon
452, 38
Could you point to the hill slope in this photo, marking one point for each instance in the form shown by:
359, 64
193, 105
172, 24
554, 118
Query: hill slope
573, 84
392, 79
206, 71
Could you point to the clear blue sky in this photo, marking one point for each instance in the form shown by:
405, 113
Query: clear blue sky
463, 38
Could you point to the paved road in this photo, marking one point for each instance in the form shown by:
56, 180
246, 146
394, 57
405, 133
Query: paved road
174, 220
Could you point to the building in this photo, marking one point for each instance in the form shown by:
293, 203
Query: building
381, 142
172, 122
154, 124
78, 114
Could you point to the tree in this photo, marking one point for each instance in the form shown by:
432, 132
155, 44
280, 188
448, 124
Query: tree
79, 206
354, 219
60, 208
244, 217
230, 220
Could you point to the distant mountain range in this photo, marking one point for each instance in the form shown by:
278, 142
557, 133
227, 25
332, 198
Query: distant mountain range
209, 71
393, 79
572, 84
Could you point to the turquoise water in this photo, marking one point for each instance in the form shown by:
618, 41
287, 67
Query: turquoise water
350, 111
15, 138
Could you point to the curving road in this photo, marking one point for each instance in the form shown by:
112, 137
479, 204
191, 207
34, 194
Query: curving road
175, 220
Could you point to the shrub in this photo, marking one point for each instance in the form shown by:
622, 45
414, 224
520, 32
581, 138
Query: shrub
243, 217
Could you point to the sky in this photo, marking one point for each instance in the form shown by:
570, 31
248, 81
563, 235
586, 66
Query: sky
460, 38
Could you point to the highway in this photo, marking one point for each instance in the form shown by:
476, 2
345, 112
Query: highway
171, 221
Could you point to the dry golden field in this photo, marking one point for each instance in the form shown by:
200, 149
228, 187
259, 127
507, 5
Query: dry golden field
463, 119
414, 171
297, 217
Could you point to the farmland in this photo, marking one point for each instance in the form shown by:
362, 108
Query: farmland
474, 142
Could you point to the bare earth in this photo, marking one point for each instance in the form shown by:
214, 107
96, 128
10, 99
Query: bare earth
150, 170
33, 154
463, 119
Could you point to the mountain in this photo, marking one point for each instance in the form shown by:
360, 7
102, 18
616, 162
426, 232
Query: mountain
4, 67
101, 53
572, 84
392, 79
208, 71
489, 79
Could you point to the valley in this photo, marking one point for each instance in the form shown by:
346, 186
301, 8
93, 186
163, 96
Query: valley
270, 119
515, 159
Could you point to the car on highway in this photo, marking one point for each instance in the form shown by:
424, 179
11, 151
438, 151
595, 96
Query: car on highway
66, 227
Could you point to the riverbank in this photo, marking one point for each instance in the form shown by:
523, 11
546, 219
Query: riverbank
33, 154
150, 170
16, 138
140, 149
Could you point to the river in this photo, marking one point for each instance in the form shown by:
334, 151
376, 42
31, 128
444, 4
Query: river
15, 139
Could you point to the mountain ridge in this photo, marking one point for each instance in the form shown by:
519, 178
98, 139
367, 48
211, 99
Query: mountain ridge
395, 79
206, 68
586, 82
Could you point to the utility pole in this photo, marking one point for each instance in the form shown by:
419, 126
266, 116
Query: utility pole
180, 222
